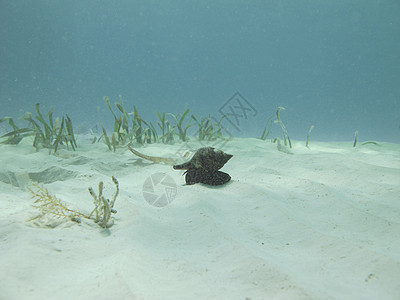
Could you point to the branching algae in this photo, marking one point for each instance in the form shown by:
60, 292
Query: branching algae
51, 208
102, 206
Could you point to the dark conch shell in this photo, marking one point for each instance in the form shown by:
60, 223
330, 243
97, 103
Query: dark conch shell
212, 178
204, 166
206, 158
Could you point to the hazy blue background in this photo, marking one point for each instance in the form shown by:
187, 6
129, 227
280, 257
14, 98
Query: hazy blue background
334, 64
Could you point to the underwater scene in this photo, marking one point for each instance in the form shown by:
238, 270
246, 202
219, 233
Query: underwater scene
200, 149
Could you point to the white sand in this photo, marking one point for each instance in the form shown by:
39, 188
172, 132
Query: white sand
321, 223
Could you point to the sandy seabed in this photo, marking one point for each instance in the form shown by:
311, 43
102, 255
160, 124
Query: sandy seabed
319, 223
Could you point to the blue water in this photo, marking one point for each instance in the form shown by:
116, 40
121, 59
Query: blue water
331, 64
